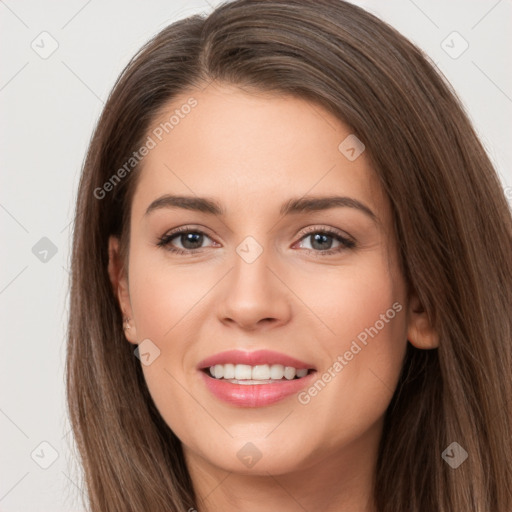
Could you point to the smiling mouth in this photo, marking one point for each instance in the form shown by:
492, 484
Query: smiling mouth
259, 374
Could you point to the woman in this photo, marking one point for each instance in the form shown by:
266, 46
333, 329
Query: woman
291, 276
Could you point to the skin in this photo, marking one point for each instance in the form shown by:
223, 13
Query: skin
252, 152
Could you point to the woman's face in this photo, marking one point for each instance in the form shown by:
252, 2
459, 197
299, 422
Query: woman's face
259, 278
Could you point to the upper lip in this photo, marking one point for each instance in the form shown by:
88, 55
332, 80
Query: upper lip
253, 358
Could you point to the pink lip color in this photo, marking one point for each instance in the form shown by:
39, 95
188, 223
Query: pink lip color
253, 395
252, 358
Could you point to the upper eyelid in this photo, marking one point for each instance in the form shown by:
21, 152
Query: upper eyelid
309, 230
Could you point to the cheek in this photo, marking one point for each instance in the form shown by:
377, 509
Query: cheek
345, 302
365, 312
163, 296
166, 302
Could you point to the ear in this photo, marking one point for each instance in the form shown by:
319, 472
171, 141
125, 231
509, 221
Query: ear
420, 332
119, 280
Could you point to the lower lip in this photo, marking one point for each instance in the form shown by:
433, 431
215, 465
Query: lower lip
254, 395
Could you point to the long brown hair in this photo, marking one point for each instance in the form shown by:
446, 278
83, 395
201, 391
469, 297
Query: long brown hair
454, 232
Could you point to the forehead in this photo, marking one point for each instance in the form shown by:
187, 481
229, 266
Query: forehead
252, 151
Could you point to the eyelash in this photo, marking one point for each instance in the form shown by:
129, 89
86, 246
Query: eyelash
165, 241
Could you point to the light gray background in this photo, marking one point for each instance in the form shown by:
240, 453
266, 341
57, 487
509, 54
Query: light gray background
49, 108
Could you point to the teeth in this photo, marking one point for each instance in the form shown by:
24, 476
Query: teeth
259, 372
242, 371
218, 371
277, 371
289, 373
229, 371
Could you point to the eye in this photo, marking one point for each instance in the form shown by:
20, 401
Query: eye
191, 240
321, 241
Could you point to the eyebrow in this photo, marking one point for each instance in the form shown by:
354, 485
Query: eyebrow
292, 206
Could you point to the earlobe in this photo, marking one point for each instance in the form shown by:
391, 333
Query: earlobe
119, 282
129, 330
420, 331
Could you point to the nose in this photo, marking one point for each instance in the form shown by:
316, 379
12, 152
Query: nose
254, 295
